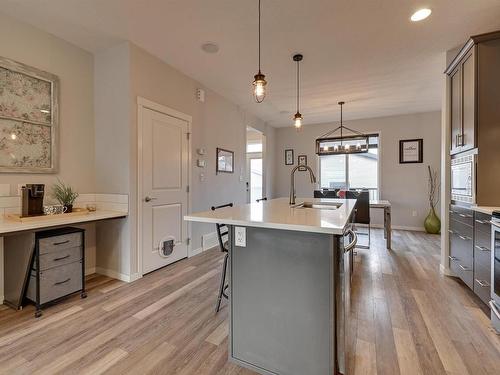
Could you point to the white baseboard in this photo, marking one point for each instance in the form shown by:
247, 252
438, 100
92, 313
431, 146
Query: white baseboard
1, 300
90, 271
209, 240
444, 270
114, 274
194, 252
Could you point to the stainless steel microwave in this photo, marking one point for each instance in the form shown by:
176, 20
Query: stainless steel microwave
463, 178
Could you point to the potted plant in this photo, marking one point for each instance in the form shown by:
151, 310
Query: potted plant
432, 224
64, 194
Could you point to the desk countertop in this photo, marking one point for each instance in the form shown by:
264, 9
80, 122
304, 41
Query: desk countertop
11, 226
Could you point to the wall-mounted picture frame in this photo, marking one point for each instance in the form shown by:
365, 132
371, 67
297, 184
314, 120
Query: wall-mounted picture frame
302, 160
289, 159
411, 151
29, 119
225, 161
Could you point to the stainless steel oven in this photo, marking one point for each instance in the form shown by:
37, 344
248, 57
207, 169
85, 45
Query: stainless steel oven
495, 273
463, 178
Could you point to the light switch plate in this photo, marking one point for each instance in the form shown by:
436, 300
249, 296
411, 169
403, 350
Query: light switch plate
240, 236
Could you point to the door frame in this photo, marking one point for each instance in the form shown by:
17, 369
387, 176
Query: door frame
143, 104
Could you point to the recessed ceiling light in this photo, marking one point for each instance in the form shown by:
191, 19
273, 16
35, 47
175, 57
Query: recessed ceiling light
210, 47
421, 14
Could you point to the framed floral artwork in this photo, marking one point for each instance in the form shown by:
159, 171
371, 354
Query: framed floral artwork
29, 115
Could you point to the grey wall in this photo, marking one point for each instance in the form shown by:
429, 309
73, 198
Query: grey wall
74, 67
405, 185
215, 123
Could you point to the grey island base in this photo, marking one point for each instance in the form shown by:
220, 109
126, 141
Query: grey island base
289, 289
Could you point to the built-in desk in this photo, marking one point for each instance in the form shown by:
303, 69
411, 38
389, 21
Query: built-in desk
23, 254
386, 206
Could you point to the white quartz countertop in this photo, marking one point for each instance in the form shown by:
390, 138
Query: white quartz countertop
278, 214
485, 209
9, 225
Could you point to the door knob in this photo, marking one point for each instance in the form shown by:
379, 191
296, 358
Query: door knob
149, 199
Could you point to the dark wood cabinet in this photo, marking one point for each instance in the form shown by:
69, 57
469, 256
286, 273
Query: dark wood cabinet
462, 104
470, 253
468, 138
474, 111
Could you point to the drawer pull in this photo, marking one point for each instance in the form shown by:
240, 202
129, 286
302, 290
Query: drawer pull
483, 283
482, 248
60, 243
61, 258
450, 231
452, 258
465, 238
63, 282
464, 268
482, 221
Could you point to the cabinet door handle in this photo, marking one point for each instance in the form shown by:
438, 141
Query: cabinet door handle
464, 238
483, 283
452, 257
464, 268
60, 243
61, 258
482, 248
63, 282
481, 221
450, 231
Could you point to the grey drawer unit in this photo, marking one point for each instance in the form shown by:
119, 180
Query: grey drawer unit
60, 258
60, 242
56, 282
482, 287
462, 214
58, 267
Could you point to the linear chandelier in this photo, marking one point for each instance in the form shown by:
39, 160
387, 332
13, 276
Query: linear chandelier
353, 143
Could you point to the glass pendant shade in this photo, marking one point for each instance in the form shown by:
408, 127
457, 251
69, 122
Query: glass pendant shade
259, 87
297, 120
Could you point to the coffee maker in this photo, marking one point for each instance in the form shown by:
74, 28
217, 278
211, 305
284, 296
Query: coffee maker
32, 199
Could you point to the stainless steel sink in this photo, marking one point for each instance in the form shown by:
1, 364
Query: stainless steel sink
319, 206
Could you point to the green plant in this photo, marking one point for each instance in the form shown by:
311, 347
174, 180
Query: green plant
64, 194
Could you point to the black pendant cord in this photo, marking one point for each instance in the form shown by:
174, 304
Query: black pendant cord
259, 37
298, 86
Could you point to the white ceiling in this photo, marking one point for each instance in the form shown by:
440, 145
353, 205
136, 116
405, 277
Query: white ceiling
365, 52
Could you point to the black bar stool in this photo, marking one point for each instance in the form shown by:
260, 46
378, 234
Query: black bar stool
223, 236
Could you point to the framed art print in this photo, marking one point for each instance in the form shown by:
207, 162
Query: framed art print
302, 160
225, 161
411, 151
289, 157
29, 115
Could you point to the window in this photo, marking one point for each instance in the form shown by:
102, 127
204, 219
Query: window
352, 171
254, 147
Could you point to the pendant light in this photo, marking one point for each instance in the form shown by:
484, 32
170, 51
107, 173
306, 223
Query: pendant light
353, 143
297, 118
259, 82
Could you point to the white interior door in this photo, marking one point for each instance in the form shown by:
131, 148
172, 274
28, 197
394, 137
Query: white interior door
165, 151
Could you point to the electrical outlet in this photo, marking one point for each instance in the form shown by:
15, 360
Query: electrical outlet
240, 236
414, 213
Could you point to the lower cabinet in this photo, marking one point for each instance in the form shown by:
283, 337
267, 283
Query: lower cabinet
470, 253
482, 256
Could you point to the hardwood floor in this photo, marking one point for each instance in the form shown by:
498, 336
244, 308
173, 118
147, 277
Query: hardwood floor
409, 320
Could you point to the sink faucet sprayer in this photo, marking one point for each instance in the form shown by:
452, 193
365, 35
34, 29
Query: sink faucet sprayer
292, 180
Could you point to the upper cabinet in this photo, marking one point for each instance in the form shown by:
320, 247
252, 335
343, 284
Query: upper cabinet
474, 110
462, 82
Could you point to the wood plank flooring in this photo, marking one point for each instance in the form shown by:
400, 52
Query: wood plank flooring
409, 320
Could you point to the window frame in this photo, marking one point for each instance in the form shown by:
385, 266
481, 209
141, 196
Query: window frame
379, 163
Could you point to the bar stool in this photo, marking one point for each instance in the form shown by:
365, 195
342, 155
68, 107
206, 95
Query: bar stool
223, 236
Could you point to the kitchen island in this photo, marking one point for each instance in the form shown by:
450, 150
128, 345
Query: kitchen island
289, 284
